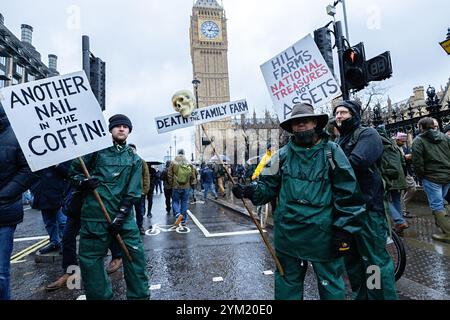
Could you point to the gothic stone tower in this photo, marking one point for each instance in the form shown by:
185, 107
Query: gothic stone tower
209, 48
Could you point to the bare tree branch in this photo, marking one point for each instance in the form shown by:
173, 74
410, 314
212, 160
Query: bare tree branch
373, 95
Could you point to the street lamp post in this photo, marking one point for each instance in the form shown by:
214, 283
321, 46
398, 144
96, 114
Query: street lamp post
433, 105
175, 140
331, 11
195, 83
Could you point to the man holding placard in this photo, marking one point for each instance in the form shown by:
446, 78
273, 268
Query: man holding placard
116, 176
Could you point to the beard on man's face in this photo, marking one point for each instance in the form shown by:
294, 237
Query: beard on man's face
120, 137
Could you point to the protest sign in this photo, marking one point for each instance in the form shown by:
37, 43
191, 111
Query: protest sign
299, 74
202, 115
55, 119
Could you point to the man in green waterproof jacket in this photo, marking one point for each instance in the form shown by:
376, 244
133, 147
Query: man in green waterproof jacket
116, 175
318, 210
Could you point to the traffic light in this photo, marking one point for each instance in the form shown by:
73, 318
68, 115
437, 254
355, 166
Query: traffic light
355, 74
97, 80
322, 38
379, 68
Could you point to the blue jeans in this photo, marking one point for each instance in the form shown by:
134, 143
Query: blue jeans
209, 186
395, 207
55, 221
159, 186
6, 247
435, 194
180, 199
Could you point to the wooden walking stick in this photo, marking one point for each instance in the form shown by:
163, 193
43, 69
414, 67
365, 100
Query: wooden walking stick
261, 232
105, 213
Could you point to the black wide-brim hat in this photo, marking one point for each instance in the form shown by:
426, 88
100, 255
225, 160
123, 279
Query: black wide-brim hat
304, 110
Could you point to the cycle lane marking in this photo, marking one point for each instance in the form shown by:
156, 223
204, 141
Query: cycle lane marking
207, 234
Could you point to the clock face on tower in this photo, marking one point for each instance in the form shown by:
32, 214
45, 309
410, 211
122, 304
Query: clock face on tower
209, 29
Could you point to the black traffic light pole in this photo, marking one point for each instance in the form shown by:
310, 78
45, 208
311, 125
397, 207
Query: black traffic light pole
341, 47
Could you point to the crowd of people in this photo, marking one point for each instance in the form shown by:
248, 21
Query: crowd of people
338, 185
334, 188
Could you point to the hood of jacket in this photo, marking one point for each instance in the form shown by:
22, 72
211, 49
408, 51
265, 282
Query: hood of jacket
433, 136
180, 159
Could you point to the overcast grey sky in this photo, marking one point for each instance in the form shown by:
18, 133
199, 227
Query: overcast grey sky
145, 44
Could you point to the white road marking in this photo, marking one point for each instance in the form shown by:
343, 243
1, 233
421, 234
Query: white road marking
82, 297
155, 287
30, 238
157, 228
268, 272
199, 202
17, 261
217, 279
207, 234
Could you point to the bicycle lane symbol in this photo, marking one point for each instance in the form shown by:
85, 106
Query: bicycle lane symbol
157, 229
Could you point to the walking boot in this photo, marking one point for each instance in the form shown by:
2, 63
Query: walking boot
61, 282
179, 218
51, 247
442, 219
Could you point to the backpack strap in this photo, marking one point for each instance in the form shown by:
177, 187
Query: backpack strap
356, 134
329, 156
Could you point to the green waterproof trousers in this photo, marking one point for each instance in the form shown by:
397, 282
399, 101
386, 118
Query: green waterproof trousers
329, 278
371, 269
94, 243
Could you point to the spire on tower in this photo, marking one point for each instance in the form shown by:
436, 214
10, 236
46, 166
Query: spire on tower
207, 4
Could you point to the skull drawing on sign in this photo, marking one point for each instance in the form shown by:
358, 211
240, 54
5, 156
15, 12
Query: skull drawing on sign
183, 102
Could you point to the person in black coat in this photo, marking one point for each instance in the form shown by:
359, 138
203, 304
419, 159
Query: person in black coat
48, 194
15, 178
152, 173
364, 148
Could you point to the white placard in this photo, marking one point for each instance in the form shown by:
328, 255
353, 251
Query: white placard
55, 119
202, 115
299, 74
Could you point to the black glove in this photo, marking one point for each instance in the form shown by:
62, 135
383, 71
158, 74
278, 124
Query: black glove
343, 242
116, 226
89, 184
241, 191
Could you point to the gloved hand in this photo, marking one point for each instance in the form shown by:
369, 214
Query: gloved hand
241, 191
116, 226
343, 242
89, 184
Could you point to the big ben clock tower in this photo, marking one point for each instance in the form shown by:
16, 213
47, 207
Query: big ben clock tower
209, 48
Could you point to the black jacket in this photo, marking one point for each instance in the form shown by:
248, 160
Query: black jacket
49, 191
15, 175
364, 156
